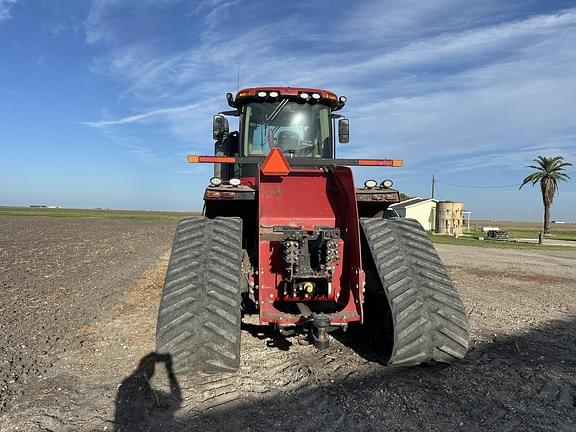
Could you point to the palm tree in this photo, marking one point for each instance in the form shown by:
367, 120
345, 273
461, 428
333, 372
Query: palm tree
548, 173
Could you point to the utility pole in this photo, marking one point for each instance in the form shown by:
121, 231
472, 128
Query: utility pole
433, 185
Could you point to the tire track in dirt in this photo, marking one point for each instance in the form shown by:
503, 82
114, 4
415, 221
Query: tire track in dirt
270, 373
57, 275
518, 382
81, 391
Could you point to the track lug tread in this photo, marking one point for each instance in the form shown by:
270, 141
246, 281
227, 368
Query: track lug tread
429, 322
199, 316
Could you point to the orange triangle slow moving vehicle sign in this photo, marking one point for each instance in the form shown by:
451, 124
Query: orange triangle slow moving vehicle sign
276, 163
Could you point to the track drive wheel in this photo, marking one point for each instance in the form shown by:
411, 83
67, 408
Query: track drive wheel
199, 316
414, 313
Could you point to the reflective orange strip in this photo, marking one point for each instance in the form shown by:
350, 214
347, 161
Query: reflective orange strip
381, 162
210, 159
375, 162
216, 159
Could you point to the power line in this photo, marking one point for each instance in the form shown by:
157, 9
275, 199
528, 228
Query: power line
424, 188
438, 197
479, 187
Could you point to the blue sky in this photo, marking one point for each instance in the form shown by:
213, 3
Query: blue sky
101, 101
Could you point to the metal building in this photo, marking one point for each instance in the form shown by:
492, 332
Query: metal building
421, 209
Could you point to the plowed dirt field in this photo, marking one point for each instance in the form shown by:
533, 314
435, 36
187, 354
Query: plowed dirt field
78, 303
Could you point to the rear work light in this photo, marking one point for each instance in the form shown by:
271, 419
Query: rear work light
370, 184
215, 181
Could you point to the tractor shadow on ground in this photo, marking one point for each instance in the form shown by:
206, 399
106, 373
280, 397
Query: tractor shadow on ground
268, 333
517, 382
356, 338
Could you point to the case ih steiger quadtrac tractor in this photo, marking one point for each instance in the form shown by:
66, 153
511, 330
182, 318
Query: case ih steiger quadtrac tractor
286, 234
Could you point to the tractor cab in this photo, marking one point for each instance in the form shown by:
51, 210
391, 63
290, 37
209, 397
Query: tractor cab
304, 125
299, 121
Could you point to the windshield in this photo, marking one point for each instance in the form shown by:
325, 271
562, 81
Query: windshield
299, 129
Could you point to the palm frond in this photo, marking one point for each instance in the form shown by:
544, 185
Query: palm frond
548, 170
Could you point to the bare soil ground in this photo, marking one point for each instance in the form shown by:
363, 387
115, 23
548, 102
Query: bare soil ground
78, 299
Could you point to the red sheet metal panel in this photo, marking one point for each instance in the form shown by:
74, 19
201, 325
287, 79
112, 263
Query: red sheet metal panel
298, 199
310, 198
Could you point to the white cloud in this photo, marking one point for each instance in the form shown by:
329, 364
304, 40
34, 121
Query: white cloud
6, 9
142, 66
513, 160
423, 86
470, 45
147, 116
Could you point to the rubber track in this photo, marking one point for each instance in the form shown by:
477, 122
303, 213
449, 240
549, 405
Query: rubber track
429, 322
199, 316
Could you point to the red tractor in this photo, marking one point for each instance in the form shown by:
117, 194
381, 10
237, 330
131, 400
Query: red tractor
286, 234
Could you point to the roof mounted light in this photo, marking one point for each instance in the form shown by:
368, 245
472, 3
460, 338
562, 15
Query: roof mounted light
304, 95
274, 94
370, 184
262, 94
215, 181
387, 183
343, 99
316, 96
234, 182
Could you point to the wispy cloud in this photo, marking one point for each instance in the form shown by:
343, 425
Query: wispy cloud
511, 159
423, 83
143, 66
134, 145
6, 9
107, 18
147, 116
467, 48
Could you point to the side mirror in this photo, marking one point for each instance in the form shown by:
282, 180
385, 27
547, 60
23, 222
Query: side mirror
219, 127
343, 131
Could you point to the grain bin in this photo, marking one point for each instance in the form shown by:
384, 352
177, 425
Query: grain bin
449, 217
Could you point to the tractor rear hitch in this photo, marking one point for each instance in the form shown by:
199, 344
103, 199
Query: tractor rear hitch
319, 332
